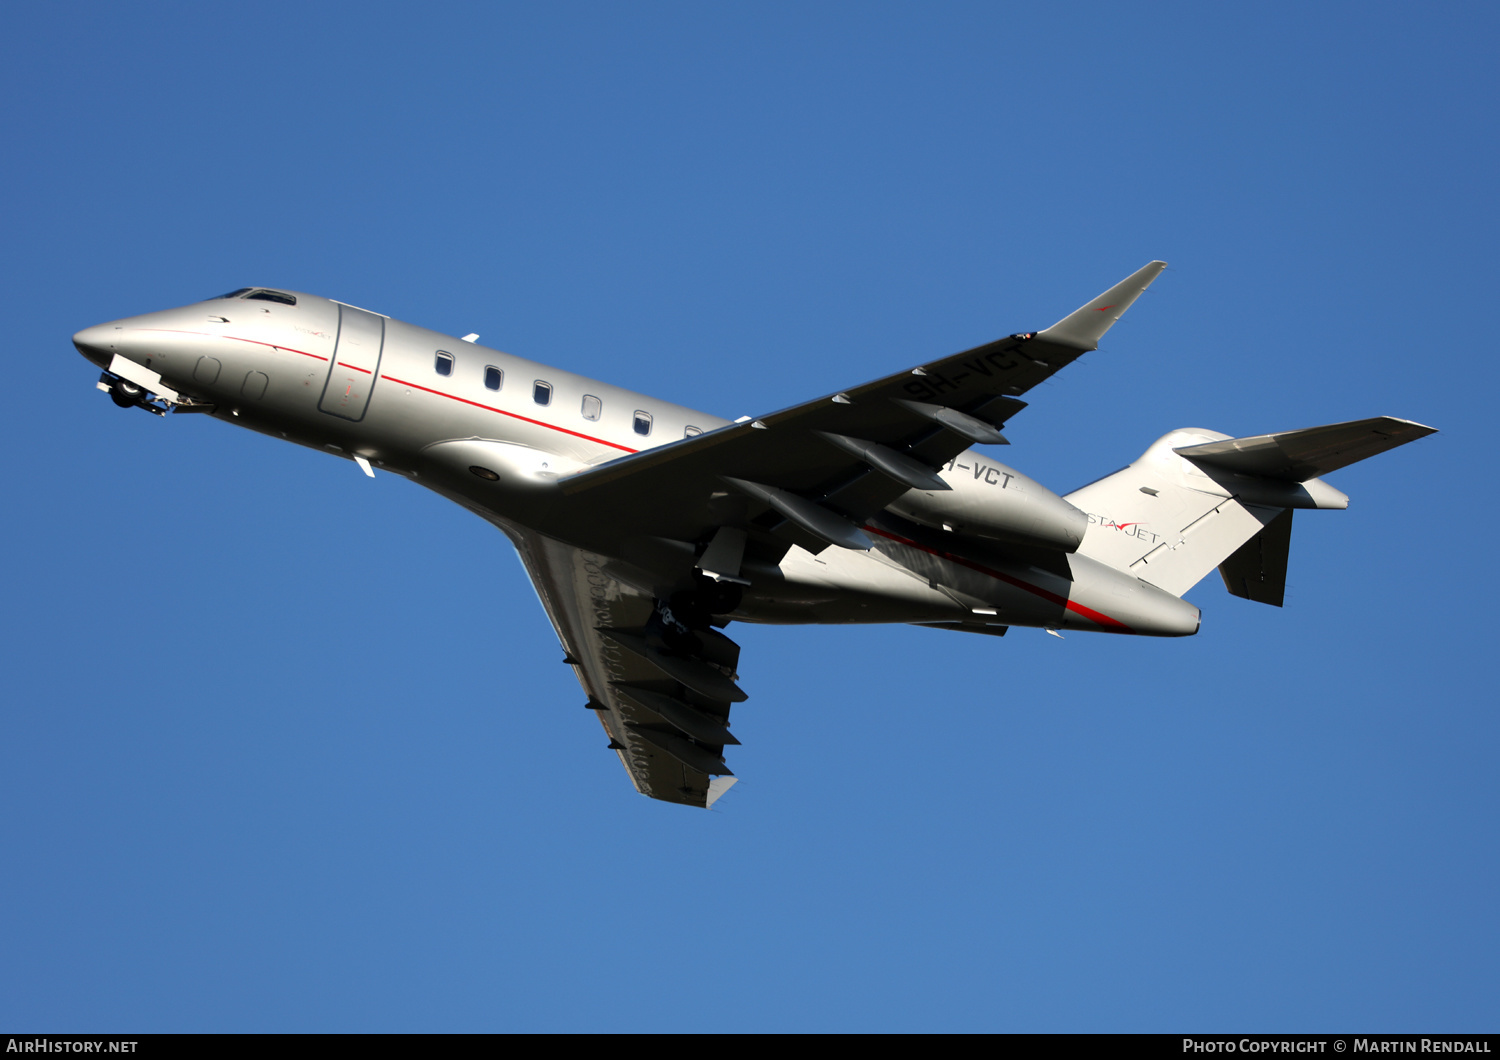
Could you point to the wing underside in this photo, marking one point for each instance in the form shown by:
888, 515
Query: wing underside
664, 704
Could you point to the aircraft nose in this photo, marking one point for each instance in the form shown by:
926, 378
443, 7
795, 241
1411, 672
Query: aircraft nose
98, 343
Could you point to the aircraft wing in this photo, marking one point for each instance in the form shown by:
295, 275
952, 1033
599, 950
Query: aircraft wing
669, 729
812, 474
615, 560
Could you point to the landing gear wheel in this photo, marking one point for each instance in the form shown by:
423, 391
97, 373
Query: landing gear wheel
125, 393
722, 598
696, 606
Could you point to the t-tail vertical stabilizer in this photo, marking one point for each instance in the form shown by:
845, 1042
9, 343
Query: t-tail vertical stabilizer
1198, 499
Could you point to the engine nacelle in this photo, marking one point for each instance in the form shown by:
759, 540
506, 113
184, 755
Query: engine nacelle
988, 499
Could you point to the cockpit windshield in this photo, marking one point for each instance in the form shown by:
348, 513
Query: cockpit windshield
259, 293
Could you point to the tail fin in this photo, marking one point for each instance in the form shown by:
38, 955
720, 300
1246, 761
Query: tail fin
1199, 499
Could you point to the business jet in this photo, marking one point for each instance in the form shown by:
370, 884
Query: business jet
647, 527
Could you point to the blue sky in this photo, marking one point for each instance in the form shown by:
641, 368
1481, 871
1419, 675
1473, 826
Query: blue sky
288, 749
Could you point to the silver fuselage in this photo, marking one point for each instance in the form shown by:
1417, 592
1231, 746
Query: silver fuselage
362, 386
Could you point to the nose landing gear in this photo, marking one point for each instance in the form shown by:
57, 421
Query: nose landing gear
132, 395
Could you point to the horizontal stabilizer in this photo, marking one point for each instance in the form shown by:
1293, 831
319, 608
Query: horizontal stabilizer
1085, 326
1296, 456
1196, 500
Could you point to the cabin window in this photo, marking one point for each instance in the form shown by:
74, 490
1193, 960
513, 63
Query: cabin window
688, 432
443, 365
642, 422
592, 406
541, 392
493, 377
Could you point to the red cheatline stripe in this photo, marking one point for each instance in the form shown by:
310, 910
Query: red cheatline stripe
1087, 612
356, 368
512, 415
236, 338
439, 393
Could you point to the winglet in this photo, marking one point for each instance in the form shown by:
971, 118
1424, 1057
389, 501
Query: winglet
1084, 327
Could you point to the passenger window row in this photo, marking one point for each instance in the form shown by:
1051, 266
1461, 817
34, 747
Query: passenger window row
541, 393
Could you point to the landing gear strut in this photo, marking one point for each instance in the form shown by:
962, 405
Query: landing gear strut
678, 619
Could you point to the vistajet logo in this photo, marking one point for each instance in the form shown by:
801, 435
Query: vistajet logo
1136, 530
